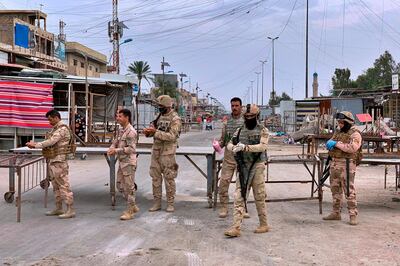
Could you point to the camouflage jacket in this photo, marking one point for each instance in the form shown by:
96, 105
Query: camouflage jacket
167, 133
125, 144
58, 137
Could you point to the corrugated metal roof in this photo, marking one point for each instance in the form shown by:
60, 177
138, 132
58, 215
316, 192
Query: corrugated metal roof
68, 79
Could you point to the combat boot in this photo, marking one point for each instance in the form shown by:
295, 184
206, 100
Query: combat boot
262, 229
232, 232
135, 208
170, 207
57, 211
156, 206
70, 213
353, 220
223, 212
333, 216
129, 213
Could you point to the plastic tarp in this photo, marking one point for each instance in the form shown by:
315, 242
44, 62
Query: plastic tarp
21, 35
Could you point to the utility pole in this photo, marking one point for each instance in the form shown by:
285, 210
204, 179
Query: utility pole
273, 73
262, 80
115, 36
306, 49
258, 76
163, 65
252, 91
115, 32
61, 36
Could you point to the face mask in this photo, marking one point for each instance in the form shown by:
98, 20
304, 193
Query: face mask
163, 110
346, 127
250, 123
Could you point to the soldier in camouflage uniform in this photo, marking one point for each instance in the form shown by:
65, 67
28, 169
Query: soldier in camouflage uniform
165, 131
59, 140
345, 144
249, 143
124, 146
229, 163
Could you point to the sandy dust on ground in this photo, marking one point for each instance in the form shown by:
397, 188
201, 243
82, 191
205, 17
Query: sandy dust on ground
193, 235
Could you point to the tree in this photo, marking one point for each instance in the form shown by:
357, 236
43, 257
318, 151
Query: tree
141, 70
341, 80
168, 87
380, 74
278, 99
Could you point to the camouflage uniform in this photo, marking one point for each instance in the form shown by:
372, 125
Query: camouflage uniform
256, 141
59, 138
125, 145
348, 146
163, 163
228, 164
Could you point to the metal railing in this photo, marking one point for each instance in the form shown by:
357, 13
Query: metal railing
26, 172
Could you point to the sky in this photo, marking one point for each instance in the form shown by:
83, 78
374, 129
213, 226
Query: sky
219, 43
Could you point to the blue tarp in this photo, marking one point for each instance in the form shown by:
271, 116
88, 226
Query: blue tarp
21, 35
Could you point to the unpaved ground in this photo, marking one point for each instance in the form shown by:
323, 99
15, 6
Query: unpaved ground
193, 235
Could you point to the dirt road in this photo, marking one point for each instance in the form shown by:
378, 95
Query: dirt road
193, 235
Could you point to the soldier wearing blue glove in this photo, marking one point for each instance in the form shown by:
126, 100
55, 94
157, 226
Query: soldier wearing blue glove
344, 145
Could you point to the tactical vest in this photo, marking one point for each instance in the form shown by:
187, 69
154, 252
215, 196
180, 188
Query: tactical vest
345, 138
251, 137
164, 124
231, 126
52, 151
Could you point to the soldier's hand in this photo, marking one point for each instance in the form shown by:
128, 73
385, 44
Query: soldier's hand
111, 151
239, 147
149, 131
31, 144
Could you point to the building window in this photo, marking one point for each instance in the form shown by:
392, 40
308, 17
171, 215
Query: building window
82, 65
97, 70
75, 62
90, 67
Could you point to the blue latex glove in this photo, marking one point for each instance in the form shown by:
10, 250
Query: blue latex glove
330, 144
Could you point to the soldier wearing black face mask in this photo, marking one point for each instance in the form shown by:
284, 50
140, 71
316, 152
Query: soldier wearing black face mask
345, 149
249, 143
165, 131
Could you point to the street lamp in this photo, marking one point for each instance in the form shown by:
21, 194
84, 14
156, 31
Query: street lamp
258, 76
262, 80
273, 73
182, 75
252, 93
163, 65
126, 41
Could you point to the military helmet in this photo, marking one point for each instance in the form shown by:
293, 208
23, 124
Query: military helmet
164, 100
346, 116
251, 110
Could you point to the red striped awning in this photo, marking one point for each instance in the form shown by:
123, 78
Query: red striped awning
24, 104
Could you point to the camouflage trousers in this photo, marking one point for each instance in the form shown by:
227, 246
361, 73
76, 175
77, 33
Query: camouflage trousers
227, 171
258, 186
126, 182
338, 185
163, 167
58, 174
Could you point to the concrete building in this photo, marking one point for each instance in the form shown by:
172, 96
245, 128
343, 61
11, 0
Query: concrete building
25, 41
75, 53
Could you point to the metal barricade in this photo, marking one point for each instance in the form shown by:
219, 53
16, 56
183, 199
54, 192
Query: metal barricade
26, 172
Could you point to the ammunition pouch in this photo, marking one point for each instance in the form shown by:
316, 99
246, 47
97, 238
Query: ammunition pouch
52, 151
